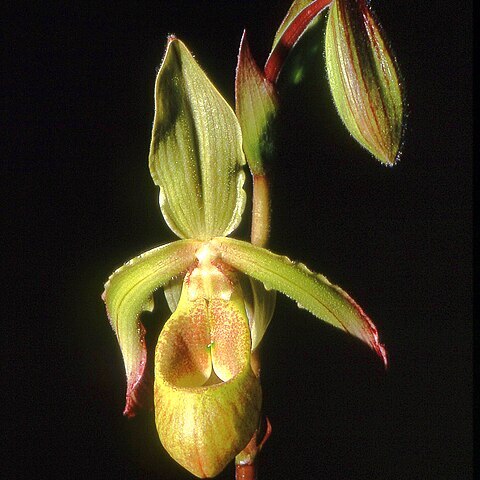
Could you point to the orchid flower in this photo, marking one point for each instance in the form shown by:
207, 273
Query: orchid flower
207, 395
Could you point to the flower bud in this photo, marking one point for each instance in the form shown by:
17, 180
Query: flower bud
364, 79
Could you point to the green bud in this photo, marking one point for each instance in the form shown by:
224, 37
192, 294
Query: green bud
364, 79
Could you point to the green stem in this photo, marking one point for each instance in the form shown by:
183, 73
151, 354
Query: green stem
260, 210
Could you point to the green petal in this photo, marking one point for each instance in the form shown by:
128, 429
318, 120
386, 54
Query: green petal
196, 152
256, 108
128, 292
364, 79
311, 291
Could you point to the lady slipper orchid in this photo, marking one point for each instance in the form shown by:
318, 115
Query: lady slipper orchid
207, 394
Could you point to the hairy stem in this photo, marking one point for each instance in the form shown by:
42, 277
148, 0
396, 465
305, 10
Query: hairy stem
260, 211
277, 57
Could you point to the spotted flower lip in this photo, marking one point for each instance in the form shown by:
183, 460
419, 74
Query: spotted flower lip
207, 393
207, 398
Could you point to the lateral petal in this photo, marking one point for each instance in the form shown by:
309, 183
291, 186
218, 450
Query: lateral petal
128, 292
311, 291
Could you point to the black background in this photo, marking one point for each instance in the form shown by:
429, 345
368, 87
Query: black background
79, 96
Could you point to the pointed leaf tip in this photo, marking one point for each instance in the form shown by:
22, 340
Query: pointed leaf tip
370, 327
256, 108
364, 79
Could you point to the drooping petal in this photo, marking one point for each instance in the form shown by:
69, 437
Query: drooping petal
311, 291
364, 79
204, 422
128, 292
196, 152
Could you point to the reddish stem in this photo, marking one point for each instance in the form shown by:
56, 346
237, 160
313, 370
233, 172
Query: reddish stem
277, 57
245, 472
245, 468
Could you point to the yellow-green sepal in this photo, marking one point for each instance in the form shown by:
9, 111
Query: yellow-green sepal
364, 79
196, 152
127, 293
311, 291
